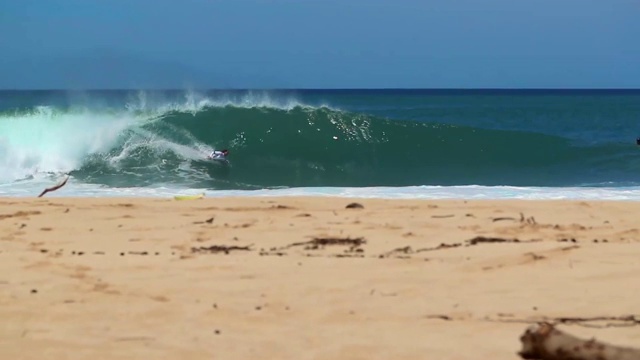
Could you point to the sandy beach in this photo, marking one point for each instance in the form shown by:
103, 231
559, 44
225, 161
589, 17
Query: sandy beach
309, 278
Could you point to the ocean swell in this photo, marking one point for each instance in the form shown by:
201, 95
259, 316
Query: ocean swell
283, 144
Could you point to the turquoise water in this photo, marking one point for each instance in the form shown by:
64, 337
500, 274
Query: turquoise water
383, 143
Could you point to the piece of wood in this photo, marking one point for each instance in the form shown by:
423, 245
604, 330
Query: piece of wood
56, 187
544, 342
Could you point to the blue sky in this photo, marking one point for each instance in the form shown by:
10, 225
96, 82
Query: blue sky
320, 43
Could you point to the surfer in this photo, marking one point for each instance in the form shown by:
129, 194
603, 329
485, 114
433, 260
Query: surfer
218, 154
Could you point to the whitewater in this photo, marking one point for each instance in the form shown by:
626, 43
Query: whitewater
352, 144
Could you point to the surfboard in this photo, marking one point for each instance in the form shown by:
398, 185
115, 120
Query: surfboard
189, 197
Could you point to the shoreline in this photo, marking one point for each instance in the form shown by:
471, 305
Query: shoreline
199, 197
305, 277
435, 193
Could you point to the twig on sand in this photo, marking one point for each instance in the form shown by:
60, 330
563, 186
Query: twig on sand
56, 187
544, 342
220, 248
321, 242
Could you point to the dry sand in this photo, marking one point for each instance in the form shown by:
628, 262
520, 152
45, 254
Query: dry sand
307, 278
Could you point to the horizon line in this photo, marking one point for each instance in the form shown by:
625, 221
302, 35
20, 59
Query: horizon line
331, 89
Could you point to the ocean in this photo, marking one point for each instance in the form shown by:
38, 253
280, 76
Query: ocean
472, 144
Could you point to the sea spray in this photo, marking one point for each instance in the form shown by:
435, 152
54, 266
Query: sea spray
45, 140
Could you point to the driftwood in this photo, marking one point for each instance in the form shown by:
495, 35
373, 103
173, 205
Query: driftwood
56, 187
544, 342
220, 248
318, 243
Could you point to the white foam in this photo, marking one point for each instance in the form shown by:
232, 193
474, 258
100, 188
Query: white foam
450, 192
47, 141
74, 189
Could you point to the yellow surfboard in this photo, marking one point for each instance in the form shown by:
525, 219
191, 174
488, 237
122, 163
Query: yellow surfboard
189, 197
